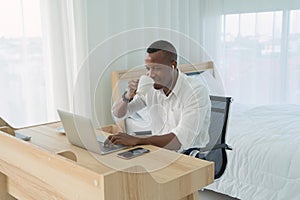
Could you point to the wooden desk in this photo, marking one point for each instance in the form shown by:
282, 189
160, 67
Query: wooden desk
35, 170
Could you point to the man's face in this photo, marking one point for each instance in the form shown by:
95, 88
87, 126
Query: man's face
159, 69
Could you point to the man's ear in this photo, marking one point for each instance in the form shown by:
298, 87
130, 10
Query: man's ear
174, 64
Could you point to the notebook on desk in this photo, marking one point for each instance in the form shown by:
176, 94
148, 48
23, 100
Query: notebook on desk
80, 132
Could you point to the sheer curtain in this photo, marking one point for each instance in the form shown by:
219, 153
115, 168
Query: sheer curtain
60, 54
259, 51
22, 72
43, 44
65, 36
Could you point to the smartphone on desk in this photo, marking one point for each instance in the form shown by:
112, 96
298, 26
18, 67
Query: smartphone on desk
133, 153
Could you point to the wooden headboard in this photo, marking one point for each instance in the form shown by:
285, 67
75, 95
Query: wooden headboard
125, 75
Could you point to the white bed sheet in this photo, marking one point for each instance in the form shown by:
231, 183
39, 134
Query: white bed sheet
265, 161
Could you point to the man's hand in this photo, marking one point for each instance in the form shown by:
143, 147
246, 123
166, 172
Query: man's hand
132, 87
168, 141
121, 138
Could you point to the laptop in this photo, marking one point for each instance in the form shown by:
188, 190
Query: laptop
80, 132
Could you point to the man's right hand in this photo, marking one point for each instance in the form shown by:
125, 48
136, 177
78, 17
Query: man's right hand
120, 109
131, 89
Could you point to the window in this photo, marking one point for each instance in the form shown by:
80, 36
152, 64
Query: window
259, 60
23, 75
293, 58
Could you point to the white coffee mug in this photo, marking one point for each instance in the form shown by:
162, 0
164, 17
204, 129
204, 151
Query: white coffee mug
145, 84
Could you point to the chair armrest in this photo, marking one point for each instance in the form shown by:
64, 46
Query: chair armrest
207, 149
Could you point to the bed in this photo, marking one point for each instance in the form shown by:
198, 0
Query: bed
265, 159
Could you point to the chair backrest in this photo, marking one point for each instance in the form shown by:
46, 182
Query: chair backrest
217, 132
215, 150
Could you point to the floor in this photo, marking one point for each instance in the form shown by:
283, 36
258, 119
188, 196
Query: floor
210, 195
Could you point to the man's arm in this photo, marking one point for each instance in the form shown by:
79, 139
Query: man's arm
120, 108
167, 141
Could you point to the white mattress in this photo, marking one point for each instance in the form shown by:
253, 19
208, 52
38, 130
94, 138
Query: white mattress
265, 161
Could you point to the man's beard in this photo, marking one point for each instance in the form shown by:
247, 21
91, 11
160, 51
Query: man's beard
157, 86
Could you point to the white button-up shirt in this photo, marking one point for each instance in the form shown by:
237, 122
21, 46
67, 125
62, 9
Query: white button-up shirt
184, 112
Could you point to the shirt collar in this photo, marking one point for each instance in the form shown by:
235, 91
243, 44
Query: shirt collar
178, 84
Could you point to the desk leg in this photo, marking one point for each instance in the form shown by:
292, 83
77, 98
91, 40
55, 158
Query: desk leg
3, 189
194, 196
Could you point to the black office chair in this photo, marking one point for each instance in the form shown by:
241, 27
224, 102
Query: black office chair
216, 148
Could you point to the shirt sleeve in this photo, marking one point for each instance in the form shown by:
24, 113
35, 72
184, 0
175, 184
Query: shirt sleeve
135, 105
195, 119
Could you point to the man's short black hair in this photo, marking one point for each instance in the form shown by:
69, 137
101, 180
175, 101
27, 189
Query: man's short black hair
162, 45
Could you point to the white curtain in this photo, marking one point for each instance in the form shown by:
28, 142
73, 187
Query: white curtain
254, 45
65, 36
22, 73
43, 46
259, 51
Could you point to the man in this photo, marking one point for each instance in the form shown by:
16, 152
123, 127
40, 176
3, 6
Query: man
179, 106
